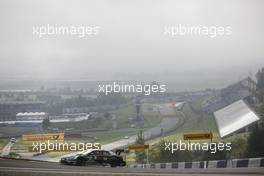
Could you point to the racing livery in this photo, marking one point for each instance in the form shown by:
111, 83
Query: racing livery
94, 157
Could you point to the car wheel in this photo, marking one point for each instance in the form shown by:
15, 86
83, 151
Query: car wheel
112, 165
122, 164
80, 162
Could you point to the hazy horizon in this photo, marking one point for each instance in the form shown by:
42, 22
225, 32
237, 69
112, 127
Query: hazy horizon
131, 44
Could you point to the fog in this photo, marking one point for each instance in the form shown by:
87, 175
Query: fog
131, 44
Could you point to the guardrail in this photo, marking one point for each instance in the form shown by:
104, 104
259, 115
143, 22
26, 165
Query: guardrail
234, 163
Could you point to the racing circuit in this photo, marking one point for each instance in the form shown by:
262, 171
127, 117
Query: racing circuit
51, 166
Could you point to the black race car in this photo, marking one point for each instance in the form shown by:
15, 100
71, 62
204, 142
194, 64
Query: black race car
94, 157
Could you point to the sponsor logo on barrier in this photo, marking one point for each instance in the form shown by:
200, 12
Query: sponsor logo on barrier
138, 147
29, 138
198, 136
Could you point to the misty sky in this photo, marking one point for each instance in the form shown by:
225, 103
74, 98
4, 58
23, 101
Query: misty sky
131, 43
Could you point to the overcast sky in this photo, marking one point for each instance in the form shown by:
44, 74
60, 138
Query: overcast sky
131, 43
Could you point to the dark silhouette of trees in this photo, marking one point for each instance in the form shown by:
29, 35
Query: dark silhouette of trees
260, 79
256, 143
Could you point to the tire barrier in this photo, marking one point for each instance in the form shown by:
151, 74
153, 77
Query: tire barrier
234, 163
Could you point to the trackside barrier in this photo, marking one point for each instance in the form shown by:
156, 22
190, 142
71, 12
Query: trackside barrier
219, 164
256, 162
234, 163
181, 165
211, 164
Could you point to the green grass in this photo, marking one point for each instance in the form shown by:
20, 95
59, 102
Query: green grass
129, 111
122, 118
19, 145
122, 115
196, 122
3, 142
202, 122
191, 122
103, 137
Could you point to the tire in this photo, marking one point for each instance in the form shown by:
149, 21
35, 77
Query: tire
113, 165
123, 163
113, 162
80, 162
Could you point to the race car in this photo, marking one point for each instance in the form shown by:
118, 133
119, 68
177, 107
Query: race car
94, 157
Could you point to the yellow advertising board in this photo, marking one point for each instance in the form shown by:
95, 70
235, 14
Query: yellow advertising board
29, 138
138, 147
198, 136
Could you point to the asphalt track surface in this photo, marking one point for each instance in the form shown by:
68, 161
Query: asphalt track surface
20, 167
